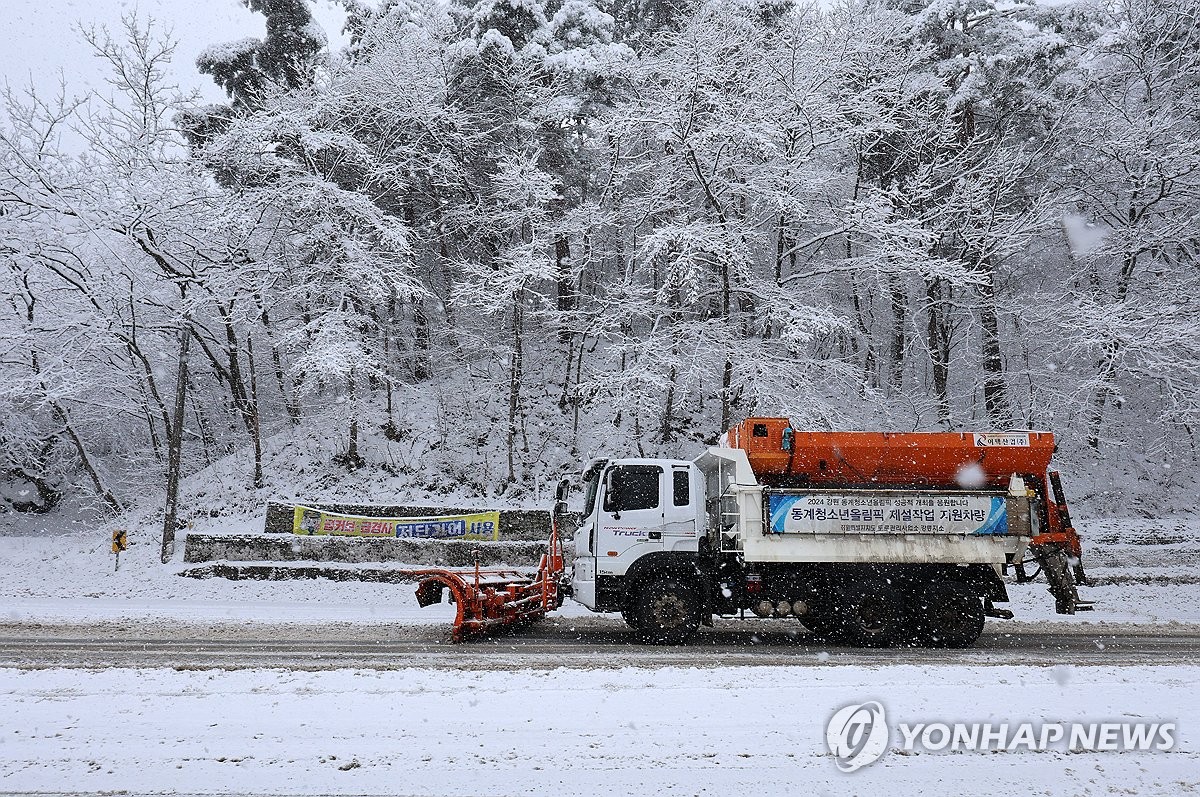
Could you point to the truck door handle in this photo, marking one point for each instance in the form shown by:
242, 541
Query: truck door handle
655, 535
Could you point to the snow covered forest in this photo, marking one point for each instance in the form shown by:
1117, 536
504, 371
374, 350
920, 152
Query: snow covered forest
486, 240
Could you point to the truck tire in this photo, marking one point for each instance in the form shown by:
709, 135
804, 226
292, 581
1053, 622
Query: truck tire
667, 612
823, 618
950, 614
873, 614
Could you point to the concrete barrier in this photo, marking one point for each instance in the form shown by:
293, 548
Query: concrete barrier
523, 537
279, 572
294, 548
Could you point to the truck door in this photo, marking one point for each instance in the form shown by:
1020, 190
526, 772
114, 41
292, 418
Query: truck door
630, 521
583, 571
679, 513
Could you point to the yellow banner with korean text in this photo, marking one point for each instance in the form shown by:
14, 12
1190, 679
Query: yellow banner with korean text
477, 526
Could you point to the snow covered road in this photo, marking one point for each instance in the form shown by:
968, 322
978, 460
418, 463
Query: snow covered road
668, 731
577, 643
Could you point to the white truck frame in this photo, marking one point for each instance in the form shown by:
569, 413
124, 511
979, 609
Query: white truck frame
671, 543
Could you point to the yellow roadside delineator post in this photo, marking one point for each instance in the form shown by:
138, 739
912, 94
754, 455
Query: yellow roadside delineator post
119, 543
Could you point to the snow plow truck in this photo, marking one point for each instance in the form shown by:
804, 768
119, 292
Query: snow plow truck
867, 538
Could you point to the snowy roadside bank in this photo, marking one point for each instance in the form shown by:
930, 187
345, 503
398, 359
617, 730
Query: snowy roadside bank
628, 731
1146, 569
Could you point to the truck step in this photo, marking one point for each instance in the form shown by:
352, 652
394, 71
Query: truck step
990, 610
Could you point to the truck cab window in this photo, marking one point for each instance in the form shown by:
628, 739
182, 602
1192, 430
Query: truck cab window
682, 491
632, 487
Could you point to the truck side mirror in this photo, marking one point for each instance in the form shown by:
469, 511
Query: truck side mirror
560, 496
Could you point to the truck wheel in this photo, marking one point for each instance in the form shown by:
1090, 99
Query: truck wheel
873, 614
824, 614
823, 625
951, 616
668, 612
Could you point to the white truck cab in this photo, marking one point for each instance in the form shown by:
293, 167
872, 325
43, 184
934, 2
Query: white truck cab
634, 508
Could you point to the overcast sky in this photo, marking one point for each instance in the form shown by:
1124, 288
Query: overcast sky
38, 38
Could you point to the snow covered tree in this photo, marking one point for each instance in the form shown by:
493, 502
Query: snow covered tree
714, 148
585, 224
952, 112
515, 221
113, 241
346, 257
251, 70
285, 59
1133, 172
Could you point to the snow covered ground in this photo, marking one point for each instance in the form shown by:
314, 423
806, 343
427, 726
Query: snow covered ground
569, 732
490, 730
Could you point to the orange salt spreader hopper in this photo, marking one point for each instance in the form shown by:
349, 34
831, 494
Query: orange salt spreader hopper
782, 456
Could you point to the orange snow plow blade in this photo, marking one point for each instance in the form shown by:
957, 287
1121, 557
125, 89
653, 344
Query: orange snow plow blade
490, 601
